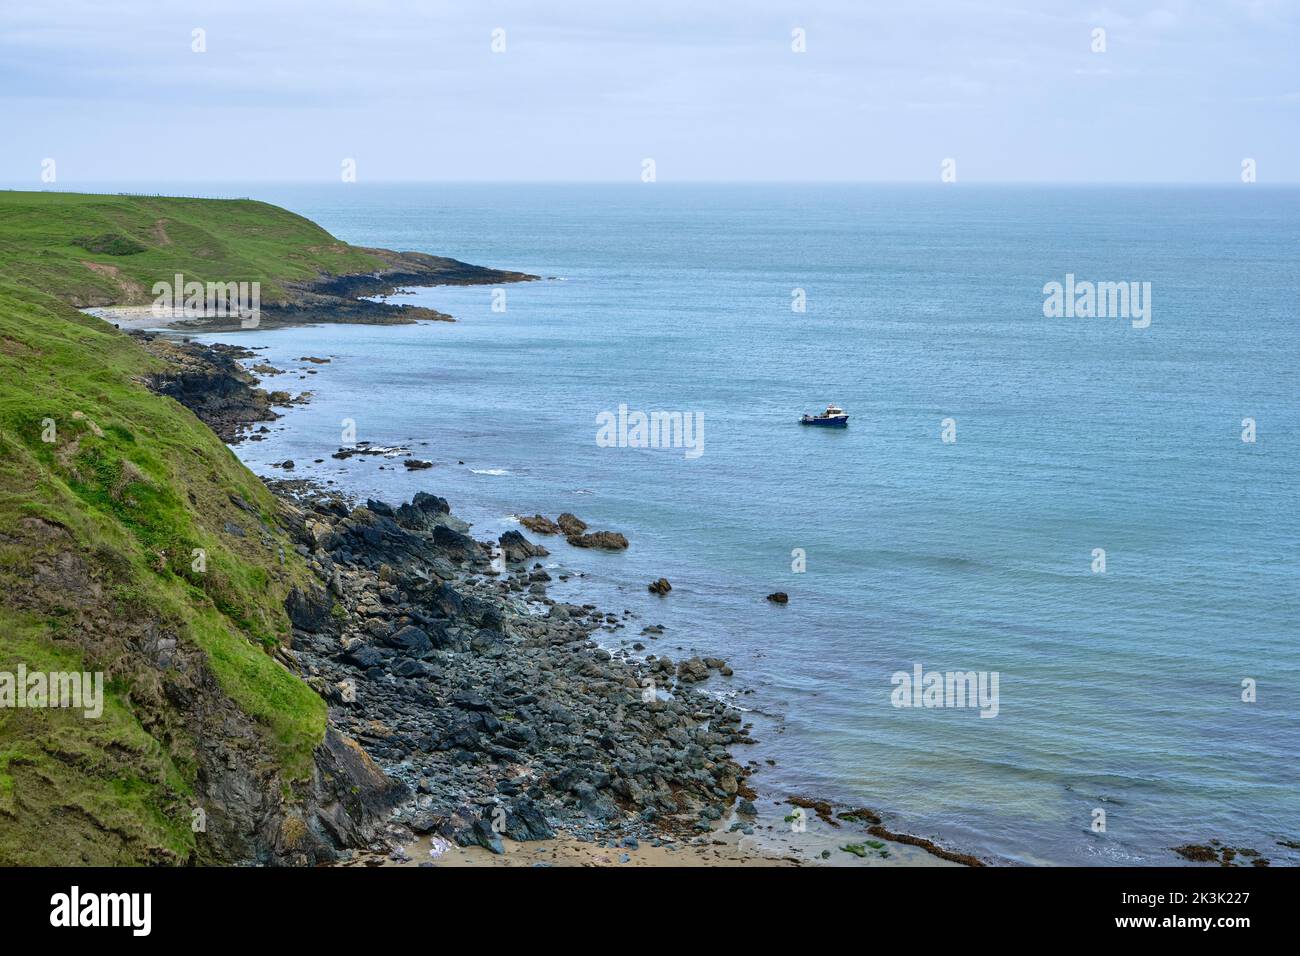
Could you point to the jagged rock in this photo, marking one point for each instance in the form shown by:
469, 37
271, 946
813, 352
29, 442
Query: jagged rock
364, 656
446, 600
693, 669
540, 525
571, 525
351, 795
484, 640
719, 665
608, 540
471, 701
412, 641
524, 821
309, 610
410, 668
518, 548
480, 833
457, 685
457, 546
209, 381
660, 587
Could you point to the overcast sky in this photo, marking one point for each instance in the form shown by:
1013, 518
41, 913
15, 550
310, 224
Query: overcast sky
586, 89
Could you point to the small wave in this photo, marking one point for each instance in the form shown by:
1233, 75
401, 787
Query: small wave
489, 471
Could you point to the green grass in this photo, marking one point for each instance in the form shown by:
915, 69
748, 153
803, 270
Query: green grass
127, 485
79, 791
47, 239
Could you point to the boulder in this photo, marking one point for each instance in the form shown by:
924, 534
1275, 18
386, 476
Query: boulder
446, 600
353, 796
540, 525
480, 834
692, 670
455, 545
608, 540
411, 641
426, 512
411, 668
660, 587
364, 656
571, 524
309, 610
519, 548
524, 821
779, 597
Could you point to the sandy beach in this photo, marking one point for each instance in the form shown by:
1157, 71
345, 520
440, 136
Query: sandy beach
130, 318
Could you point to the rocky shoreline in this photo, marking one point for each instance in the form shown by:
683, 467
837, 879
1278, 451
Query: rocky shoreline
210, 381
486, 703
350, 299
489, 706
490, 701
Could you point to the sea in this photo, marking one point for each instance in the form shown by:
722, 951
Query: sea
1096, 515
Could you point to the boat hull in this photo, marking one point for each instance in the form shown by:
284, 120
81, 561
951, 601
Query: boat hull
839, 422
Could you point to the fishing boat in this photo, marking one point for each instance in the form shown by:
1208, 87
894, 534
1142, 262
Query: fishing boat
833, 417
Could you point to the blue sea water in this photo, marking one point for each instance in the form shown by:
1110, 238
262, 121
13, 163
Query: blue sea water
1119, 691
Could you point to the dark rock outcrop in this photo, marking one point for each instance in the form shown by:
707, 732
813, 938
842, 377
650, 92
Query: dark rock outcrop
350, 796
606, 540
504, 723
309, 610
571, 525
540, 525
210, 382
518, 548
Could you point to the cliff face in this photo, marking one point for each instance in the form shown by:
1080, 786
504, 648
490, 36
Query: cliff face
177, 770
134, 545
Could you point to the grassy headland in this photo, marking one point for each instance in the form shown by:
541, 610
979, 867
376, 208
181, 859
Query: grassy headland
100, 250
133, 542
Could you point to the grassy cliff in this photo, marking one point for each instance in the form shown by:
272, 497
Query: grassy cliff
100, 250
133, 542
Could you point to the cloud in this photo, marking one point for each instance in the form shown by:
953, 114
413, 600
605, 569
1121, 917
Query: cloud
585, 89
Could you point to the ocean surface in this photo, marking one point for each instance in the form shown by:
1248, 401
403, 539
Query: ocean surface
1118, 691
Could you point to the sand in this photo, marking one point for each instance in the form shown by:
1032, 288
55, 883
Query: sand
136, 317
773, 843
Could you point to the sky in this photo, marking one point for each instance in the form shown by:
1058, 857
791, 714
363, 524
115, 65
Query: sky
587, 90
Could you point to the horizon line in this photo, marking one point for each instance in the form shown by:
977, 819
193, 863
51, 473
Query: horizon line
14, 186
